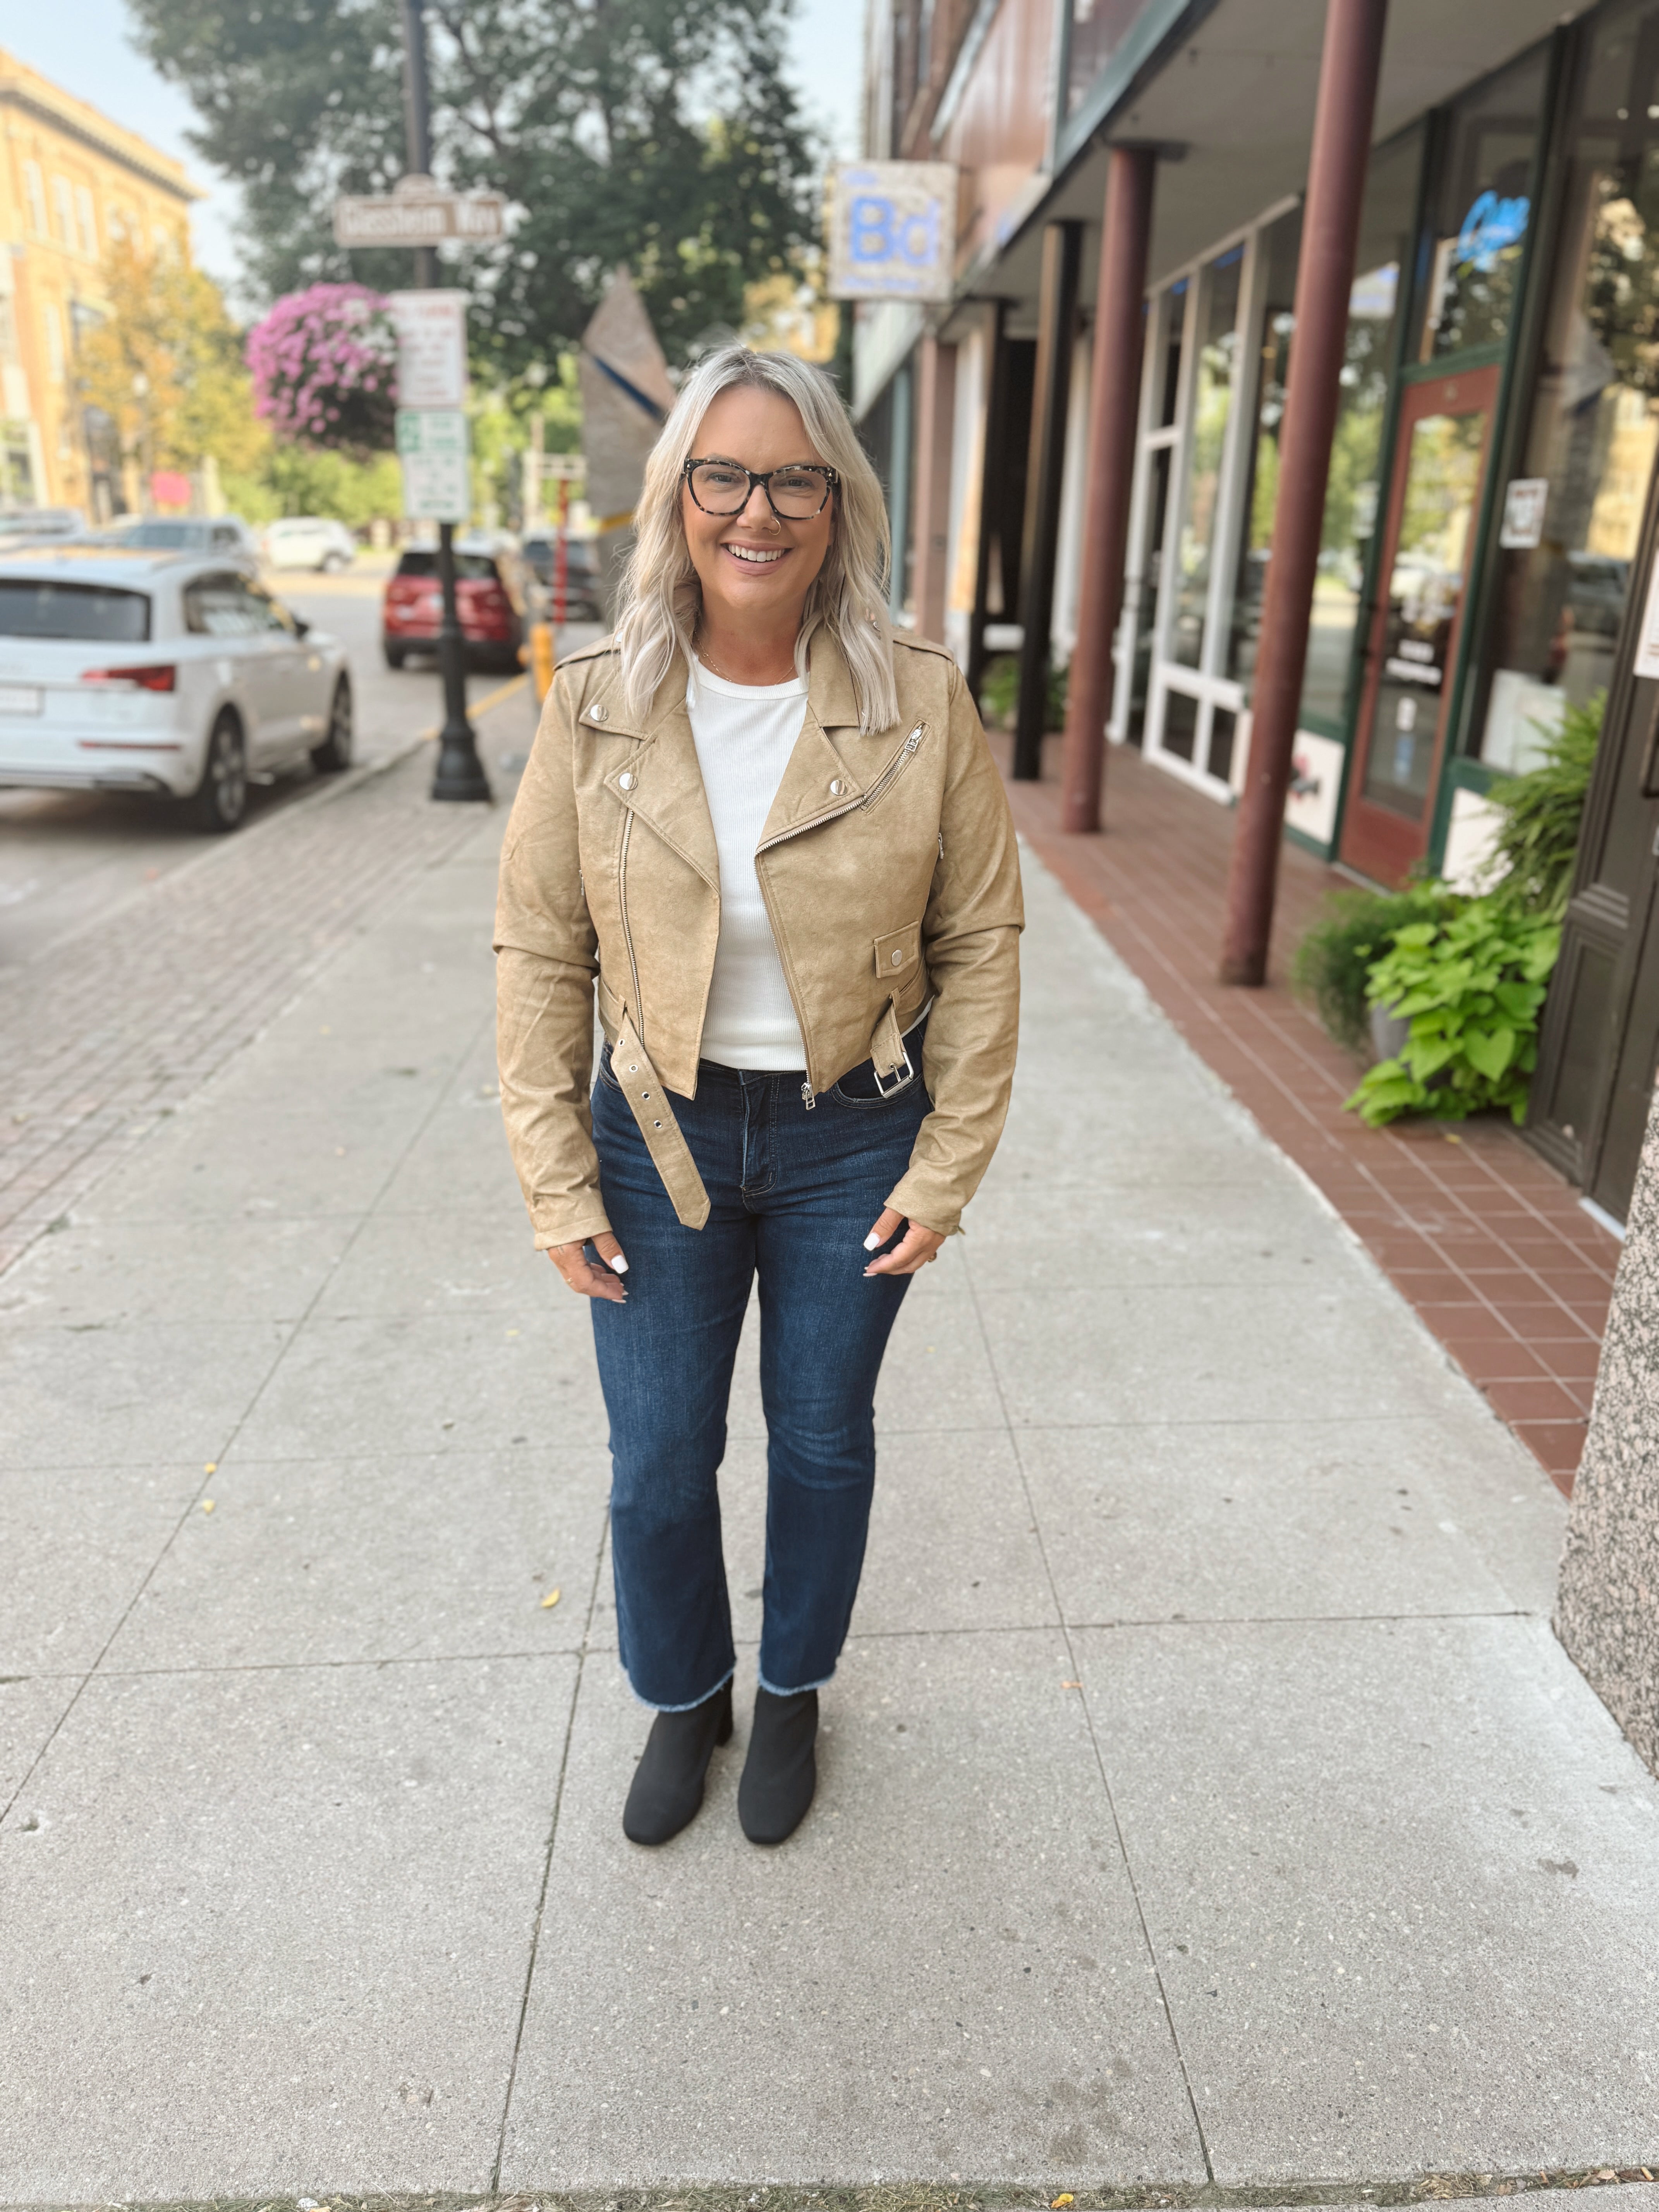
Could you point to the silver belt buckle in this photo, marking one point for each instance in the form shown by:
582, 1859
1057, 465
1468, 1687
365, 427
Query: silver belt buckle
903, 1077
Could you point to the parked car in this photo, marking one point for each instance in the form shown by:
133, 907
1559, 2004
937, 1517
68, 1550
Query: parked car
582, 574
226, 536
28, 525
308, 541
130, 668
487, 599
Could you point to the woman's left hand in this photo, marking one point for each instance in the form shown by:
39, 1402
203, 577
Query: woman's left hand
914, 1248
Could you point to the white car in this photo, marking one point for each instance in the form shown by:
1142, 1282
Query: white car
134, 670
308, 541
226, 535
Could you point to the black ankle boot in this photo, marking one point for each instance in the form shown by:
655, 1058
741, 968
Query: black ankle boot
780, 1772
667, 1786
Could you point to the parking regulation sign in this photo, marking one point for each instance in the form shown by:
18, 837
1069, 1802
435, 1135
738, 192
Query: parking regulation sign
433, 447
892, 230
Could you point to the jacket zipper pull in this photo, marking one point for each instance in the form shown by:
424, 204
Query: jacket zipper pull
941, 844
809, 1097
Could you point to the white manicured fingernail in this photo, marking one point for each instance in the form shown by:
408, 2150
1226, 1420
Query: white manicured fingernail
872, 1240
619, 1263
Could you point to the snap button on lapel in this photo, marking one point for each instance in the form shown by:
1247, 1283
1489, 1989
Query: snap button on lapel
626, 781
598, 713
835, 789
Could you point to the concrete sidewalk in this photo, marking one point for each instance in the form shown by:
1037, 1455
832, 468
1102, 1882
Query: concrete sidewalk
1205, 1798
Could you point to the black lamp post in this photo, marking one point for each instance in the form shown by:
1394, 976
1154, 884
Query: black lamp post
460, 772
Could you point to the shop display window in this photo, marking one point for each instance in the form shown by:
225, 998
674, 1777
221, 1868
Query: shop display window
1279, 247
1483, 212
1216, 373
1375, 304
1573, 516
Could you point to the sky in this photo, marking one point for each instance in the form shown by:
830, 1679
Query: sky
84, 45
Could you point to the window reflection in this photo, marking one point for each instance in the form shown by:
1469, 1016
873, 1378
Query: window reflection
1565, 569
1482, 213
1212, 389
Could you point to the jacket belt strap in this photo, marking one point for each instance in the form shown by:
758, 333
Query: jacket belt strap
670, 1153
887, 1044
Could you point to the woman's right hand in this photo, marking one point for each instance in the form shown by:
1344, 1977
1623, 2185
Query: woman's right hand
588, 1281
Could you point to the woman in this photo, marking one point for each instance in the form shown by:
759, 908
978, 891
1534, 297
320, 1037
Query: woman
773, 835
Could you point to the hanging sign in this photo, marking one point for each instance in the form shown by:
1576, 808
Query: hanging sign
433, 447
892, 230
419, 212
1524, 503
431, 329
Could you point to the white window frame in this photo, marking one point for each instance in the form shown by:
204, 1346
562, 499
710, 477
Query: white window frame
34, 192
1208, 684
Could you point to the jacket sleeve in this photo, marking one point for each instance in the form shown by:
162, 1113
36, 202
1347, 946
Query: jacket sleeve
546, 960
970, 935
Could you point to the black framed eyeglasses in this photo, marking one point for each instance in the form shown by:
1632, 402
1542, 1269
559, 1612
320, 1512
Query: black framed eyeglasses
795, 494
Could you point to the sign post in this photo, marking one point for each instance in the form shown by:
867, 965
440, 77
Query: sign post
432, 437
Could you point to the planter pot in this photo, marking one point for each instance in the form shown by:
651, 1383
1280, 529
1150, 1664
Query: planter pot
1389, 1034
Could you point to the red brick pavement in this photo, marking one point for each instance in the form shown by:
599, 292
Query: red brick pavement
110, 1031
1489, 1245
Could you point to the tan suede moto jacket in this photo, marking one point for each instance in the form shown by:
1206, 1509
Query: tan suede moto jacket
889, 871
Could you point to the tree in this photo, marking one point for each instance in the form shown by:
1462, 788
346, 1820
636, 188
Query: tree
165, 365
657, 132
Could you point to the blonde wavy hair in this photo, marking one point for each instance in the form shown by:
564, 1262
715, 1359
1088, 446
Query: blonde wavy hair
660, 597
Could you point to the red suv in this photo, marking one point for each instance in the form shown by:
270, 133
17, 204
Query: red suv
413, 610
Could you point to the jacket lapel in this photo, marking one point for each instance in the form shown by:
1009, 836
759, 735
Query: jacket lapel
657, 778
817, 782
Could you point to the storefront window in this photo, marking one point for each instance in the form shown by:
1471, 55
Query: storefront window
1351, 491
1483, 211
1571, 519
1279, 246
1212, 391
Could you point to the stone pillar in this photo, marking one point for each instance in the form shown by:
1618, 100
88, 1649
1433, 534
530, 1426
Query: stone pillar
936, 394
1607, 1607
1062, 265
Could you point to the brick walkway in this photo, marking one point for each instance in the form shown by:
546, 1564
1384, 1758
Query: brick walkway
109, 1032
1489, 1245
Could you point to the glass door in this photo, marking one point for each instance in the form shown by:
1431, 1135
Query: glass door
1445, 430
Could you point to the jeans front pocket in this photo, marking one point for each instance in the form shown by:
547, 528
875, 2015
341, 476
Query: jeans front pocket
605, 1075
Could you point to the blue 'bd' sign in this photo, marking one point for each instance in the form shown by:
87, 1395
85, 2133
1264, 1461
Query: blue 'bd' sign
892, 231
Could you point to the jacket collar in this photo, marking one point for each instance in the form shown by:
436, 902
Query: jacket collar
665, 788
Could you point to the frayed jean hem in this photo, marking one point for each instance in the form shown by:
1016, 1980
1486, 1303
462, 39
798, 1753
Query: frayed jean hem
799, 1691
694, 1703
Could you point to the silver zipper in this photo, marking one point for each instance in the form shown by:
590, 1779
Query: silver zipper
905, 754
809, 1097
627, 934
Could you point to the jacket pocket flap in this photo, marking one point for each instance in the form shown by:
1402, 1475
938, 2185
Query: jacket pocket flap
899, 950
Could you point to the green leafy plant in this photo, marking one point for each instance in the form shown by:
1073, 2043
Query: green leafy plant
1471, 984
1538, 842
1333, 961
999, 693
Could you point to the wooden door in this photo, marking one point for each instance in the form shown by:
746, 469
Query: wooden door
1428, 547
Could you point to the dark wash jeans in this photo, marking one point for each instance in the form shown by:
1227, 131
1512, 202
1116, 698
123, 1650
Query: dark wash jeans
793, 1195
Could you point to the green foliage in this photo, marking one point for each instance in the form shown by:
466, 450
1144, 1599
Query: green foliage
295, 481
660, 133
1538, 843
999, 693
1471, 984
1333, 961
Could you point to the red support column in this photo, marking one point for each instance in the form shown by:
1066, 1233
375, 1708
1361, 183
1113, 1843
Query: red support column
1114, 404
1330, 230
935, 423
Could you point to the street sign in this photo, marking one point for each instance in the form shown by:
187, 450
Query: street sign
431, 329
419, 212
431, 445
892, 230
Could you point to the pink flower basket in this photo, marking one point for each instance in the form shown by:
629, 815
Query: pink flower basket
324, 367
